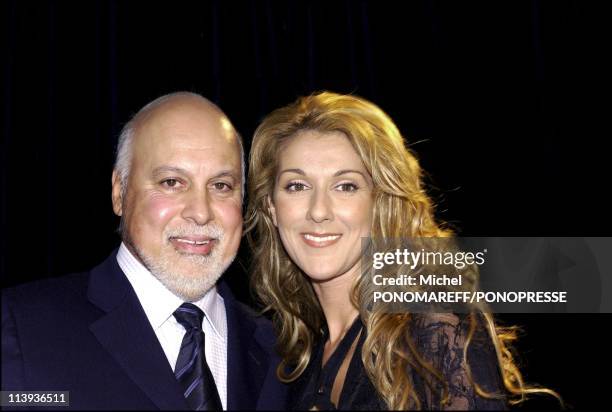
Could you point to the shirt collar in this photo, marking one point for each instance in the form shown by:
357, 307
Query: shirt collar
159, 303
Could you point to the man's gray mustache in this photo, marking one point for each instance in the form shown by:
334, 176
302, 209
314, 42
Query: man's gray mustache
212, 231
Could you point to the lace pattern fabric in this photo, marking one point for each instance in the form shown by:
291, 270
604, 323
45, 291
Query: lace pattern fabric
440, 339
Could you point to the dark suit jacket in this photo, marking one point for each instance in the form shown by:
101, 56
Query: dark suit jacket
87, 333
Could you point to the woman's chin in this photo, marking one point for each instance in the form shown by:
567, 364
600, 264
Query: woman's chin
322, 276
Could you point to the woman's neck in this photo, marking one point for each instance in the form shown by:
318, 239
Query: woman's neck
339, 311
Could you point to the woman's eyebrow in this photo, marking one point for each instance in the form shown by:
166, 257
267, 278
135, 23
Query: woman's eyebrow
344, 171
338, 173
298, 171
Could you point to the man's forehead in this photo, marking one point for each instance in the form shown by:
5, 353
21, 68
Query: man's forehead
178, 103
176, 146
190, 150
186, 123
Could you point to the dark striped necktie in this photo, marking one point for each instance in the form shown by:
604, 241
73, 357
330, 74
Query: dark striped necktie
191, 370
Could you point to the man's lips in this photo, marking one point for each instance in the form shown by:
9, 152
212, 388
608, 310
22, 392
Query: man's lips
320, 239
200, 245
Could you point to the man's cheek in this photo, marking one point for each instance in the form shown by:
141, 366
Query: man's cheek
236, 222
230, 218
162, 209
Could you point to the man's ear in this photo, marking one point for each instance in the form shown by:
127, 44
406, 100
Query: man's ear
116, 194
272, 210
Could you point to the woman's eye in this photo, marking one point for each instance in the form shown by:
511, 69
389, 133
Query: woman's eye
347, 187
295, 187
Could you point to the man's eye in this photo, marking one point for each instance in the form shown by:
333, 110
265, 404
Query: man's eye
347, 187
222, 186
295, 187
170, 183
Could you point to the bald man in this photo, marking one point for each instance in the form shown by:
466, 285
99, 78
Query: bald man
153, 327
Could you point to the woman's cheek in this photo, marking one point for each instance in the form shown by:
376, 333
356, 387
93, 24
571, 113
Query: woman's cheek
291, 210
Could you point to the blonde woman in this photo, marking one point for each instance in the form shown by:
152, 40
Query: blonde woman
325, 172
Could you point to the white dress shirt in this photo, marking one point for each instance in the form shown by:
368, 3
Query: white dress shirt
159, 305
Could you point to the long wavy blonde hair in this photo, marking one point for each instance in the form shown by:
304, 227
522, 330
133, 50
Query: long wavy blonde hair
402, 209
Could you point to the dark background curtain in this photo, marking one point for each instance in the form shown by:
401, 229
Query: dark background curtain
502, 101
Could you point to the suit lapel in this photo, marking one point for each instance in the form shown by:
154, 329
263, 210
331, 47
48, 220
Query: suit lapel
125, 332
247, 361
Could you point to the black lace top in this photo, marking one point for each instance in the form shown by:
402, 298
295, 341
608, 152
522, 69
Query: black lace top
440, 339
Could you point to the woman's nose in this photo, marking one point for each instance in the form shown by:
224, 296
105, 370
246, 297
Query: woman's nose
320, 207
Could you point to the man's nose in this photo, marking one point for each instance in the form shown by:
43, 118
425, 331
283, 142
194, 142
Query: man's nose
320, 208
197, 207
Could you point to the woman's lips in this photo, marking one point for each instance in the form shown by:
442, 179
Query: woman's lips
198, 246
320, 239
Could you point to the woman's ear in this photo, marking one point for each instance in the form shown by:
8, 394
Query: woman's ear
271, 209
